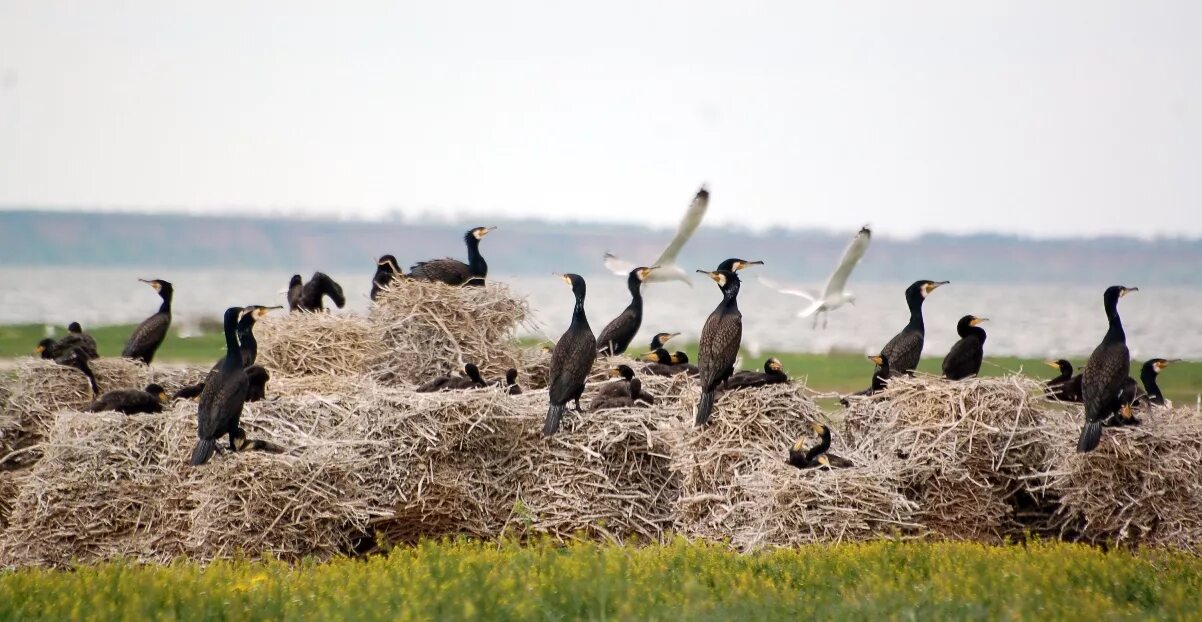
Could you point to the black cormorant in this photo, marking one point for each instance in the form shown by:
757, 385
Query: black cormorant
256, 377
880, 378
633, 396
571, 360
904, 350
75, 337
680, 360
76, 358
1105, 372
387, 269
773, 373
964, 359
296, 289
149, 335
1132, 397
310, 296
248, 349
660, 340
453, 271
131, 401
621, 386
818, 455
659, 363
1148, 374
510, 384
471, 379
224, 394
720, 339
1066, 387
617, 335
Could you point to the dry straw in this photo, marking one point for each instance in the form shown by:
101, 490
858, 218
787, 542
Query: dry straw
963, 448
317, 344
431, 329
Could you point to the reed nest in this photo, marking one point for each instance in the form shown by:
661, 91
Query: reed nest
174, 377
10, 485
317, 344
963, 449
747, 428
431, 329
791, 507
1142, 485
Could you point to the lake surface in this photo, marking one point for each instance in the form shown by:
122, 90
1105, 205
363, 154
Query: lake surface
1025, 320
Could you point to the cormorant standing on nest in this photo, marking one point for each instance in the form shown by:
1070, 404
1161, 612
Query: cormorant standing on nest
720, 339
964, 359
453, 271
131, 401
309, 296
774, 373
1107, 368
571, 360
734, 264
386, 271
622, 385
1066, 387
149, 335
617, 335
248, 351
880, 377
223, 396
904, 350
76, 358
632, 397
659, 363
471, 379
818, 455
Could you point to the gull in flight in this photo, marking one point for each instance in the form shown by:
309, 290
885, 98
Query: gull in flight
667, 269
835, 295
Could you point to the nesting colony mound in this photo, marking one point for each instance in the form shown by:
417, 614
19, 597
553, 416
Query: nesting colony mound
175, 377
431, 329
1142, 485
748, 428
317, 344
963, 448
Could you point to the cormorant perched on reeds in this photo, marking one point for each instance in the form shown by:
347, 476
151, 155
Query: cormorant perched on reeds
880, 378
387, 270
131, 401
453, 271
774, 373
1066, 387
660, 363
571, 360
818, 455
224, 394
617, 335
471, 379
621, 386
310, 296
1107, 368
720, 340
964, 359
904, 350
149, 335
248, 351
76, 358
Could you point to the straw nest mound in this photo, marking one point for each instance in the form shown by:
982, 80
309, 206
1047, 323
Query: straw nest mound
431, 329
962, 448
10, 485
175, 377
747, 428
316, 344
1142, 485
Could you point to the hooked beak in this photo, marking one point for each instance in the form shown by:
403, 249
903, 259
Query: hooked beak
1127, 290
876, 359
739, 265
1052, 364
977, 320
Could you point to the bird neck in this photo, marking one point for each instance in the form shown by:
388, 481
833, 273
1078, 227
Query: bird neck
475, 261
976, 331
730, 297
636, 292
249, 347
1115, 333
1148, 376
916, 322
820, 448
231, 343
578, 317
166, 306
1065, 374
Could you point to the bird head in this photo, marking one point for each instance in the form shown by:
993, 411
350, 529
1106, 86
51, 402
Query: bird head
480, 232
819, 429
1061, 365
849, 298
258, 312
511, 376
158, 392
724, 278
661, 339
388, 261
734, 264
879, 359
43, 345
1158, 365
74, 327
576, 282
642, 273
659, 355
773, 364
163, 288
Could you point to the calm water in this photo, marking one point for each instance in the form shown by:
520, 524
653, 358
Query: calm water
1025, 320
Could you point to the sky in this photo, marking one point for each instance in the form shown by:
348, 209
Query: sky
1067, 118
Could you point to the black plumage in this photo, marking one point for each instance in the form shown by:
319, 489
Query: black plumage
571, 360
471, 379
621, 386
660, 340
453, 271
131, 401
905, 349
76, 338
296, 290
633, 396
149, 335
659, 363
818, 455
617, 335
880, 378
223, 396
1148, 374
774, 373
964, 359
510, 383
311, 295
242, 443
248, 351
680, 361
256, 379
387, 270
76, 358
720, 340
1065, 387
1105, 372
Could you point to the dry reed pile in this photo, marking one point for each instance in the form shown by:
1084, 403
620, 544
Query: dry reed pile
175, 377
963, 449
1142, 485
431, 329
317, 344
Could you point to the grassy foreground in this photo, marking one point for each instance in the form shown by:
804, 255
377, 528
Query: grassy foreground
455, 580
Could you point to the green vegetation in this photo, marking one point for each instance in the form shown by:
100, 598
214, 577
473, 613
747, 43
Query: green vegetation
19, 340
460, 580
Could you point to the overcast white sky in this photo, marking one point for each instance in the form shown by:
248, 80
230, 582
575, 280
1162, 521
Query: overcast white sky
1041, 117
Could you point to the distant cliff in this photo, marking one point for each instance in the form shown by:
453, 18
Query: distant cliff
526, 247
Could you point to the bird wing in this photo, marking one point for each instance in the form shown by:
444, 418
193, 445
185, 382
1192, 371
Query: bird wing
783, 289
962, 358
571, 362
851, 256
692, 219
319, 285
719, 347
1103, 378
447, 270
620, 331
620, 267
903, 351
147, 337
221, 403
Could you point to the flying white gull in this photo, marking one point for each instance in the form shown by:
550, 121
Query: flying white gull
667, 269
834, 296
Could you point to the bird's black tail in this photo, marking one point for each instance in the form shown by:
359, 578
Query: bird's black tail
190, 391
203, 451
554, 414
704, 407
1091, 435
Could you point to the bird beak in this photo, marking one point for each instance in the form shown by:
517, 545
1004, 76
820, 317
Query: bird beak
1127, 290
646, 271
486, 231
739, 265
649, 357
614, 371
1052, 364
817, 428
39, 349
799, 445
565, 278
977, 320
824, 461
163, 397
876, 359
152, 283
